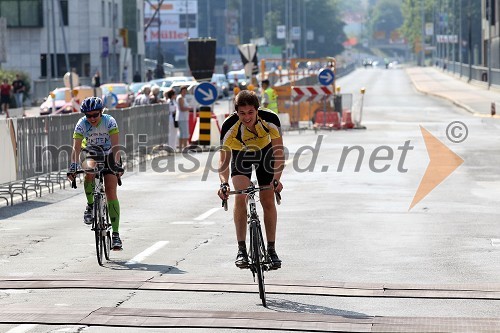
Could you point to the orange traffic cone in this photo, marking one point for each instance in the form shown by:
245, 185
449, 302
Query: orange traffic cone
347, 119
334, 120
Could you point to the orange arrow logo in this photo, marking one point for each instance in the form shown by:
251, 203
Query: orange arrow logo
442, 163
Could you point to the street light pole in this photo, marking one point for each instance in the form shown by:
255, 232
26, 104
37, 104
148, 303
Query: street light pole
460, 60
422, 42
158, 57
469, 40
490, 39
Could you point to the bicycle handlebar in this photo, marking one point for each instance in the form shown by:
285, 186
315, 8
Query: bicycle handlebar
252, 189
73, 183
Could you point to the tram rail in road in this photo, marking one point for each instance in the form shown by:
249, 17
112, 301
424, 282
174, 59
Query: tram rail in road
273, 320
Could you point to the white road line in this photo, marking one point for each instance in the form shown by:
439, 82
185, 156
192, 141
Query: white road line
207, 214
495, 242
146, 253
22, 328
182, 222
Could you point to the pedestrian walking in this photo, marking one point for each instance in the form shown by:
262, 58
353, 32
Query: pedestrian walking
18, 88
5, 90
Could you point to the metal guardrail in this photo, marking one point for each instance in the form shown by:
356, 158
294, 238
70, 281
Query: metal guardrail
44, 145
474, 72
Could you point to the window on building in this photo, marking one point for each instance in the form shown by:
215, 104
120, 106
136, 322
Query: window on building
80, 61
187, 21
490, 9
103, 13
22, 13
64, 10
138, 20
115, 15
110, 15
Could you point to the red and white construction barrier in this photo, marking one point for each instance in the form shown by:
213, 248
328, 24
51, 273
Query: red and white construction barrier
310, 91
309, 98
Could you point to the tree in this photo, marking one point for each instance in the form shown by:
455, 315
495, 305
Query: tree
445, 16
324, 18
386, 17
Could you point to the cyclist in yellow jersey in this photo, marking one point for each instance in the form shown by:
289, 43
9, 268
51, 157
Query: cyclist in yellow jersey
251, 137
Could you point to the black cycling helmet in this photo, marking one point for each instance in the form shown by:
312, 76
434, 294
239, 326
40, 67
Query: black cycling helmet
91, 104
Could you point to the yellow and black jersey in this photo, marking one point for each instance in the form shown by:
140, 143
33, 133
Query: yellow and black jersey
235, 135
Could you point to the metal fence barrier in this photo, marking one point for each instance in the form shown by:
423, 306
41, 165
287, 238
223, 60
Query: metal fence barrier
43, 146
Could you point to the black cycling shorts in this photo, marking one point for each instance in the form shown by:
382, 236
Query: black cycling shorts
109, 161
263, 161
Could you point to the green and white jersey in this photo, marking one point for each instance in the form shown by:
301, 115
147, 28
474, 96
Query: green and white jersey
96, 136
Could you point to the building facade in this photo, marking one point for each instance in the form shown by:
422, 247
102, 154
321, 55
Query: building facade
87, 35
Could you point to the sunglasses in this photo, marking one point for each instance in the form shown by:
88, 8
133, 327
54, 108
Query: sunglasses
93, 115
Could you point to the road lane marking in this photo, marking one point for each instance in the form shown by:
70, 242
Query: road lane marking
495, 242
192, 222
207, 214
14, 291
22, 328
146, 253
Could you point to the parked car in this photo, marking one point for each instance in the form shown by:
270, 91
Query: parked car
124, 97
221, 83
57, 100
166, 83
238, 77
176, 86
61, 99
135, 87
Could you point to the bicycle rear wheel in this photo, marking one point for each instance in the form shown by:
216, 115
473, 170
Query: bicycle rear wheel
99, 244
257, 244
106, 233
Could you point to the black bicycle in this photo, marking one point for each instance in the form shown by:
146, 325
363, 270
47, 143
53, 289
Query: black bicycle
257, 254
100, 216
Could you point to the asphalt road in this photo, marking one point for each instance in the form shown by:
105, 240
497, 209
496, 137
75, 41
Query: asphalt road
343, 227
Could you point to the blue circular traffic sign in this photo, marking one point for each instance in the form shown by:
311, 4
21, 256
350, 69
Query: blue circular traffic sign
205, 93
110, 100
326, 77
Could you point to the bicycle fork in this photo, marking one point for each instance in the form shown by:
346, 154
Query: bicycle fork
99, 207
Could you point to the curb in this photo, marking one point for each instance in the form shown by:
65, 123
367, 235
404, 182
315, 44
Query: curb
459, 104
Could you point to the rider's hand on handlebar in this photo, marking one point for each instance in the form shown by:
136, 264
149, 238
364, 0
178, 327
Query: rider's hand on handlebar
118, 169
224, 191
278, 186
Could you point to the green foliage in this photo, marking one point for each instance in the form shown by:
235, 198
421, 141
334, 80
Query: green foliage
351, 6
323, 18
386, 16
412, 26
445, 14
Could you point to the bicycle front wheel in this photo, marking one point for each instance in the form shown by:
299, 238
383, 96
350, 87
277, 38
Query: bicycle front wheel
106, 232
99, 244
257, 244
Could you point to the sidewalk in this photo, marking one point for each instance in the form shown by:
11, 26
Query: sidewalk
471, 97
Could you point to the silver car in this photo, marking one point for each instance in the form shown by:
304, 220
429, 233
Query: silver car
221, 83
